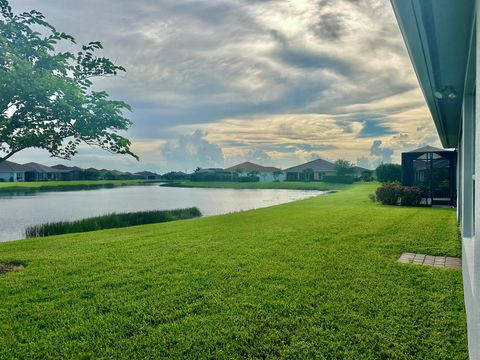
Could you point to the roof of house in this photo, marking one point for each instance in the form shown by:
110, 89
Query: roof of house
66, 168
359, 169
428, 148
146, 173
438, 37
315, 165
249, 166
9, 166
36, 167
212, 170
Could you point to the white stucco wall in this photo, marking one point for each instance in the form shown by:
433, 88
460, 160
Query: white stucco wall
470, 211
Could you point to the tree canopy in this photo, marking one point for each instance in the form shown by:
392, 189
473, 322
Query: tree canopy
387, 173
343, 167
46, 96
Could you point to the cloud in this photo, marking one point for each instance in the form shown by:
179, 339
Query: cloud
380, 154
364, 162
286, 78
259, 156
191, 150
373, 128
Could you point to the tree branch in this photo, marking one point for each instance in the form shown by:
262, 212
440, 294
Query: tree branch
9, 155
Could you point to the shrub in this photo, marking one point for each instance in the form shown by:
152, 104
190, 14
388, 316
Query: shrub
111, 221
389, 194
367, 175
387, 173
372, 197
206, 176
344, 167
338, 179
392, 194
307, 175
410, 196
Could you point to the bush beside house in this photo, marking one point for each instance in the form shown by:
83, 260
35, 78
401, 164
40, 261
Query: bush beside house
394, 194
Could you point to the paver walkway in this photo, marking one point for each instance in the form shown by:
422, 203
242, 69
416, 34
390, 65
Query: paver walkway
430, 260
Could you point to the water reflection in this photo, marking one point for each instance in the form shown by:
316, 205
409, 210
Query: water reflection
18, 211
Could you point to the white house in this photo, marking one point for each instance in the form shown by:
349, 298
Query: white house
441, 38
11, 172
265, 173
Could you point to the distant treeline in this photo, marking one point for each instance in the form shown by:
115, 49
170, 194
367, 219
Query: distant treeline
111, 221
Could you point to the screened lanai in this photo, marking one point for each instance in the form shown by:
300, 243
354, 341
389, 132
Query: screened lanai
433, 171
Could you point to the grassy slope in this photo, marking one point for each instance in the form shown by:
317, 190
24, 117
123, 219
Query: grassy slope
313, 278
7, 186
295, 185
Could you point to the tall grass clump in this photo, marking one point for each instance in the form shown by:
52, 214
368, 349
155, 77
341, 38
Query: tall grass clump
111, 221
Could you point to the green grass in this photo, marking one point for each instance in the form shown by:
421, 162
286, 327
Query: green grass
111, 221
316, 278
52, 185
293, 185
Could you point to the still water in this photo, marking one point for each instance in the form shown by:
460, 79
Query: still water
20, 210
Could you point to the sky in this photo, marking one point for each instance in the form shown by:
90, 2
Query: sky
213, 83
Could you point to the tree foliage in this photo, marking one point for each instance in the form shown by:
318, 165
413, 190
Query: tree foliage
307, 175
46, 96
387, 173
366, 175
343, 167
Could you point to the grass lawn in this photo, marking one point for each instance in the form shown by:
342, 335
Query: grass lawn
294, 185
316, 278
41, 185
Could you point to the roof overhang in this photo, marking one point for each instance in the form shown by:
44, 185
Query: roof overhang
438, 35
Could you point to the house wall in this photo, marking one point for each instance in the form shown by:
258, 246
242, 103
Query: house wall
469, 206
267, 176
12, 176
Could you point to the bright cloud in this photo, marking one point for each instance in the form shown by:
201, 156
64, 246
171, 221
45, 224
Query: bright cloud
212, 82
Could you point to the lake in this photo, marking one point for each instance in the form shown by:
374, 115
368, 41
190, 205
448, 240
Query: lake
20, 210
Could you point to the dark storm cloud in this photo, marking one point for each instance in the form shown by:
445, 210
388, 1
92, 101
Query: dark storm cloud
373, 128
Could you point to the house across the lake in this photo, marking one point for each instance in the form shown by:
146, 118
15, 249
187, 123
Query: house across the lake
211, 174
146, 175
320, 168
265, 173
39, 172
441, 38
12, 172
70, 173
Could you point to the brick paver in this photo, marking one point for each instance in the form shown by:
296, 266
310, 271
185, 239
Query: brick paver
430, 260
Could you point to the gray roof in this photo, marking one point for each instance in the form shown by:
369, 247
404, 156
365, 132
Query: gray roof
249, 166
39, 168
315, 165
8, 166
428, 148
358, 170
146, 173
66, 168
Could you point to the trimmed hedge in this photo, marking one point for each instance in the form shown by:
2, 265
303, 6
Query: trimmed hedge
395, 194
410, 196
